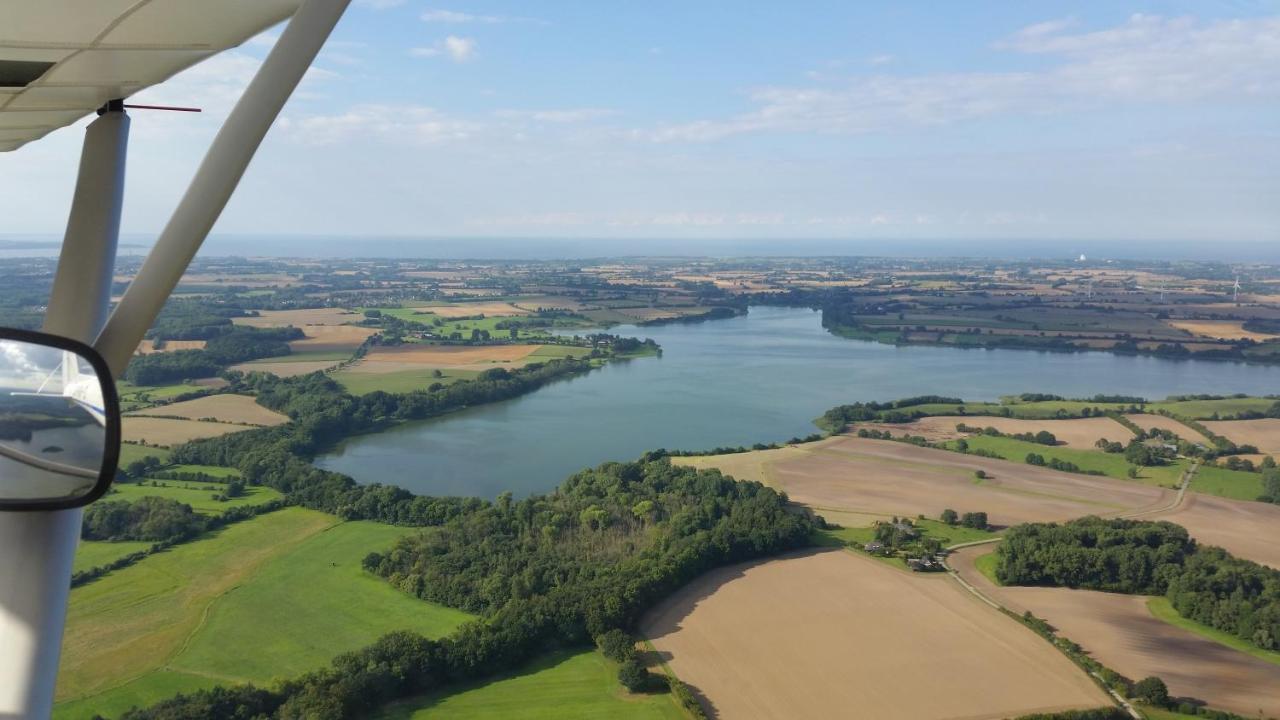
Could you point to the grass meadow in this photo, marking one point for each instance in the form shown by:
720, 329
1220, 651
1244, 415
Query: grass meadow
266, 598
91, 553
566, 684
130, 452
1109, 464
1205, 409
1234, 484
196, 494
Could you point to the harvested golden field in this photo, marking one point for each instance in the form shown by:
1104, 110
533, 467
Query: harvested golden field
300, 318
331, 338
1121, 633
167, 432
1219, 329
239, 409
287, 369
1263, 433
851, 474
146, 347
1081, 433
551, 302
834, 634
455, 357
1148, 421
488, 309
1247, 529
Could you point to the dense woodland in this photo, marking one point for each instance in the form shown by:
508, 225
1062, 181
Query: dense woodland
549, 571
1204, 584
236, 345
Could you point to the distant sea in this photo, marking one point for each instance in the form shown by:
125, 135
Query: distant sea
584, 248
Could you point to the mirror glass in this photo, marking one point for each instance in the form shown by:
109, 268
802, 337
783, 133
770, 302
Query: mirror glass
53, 426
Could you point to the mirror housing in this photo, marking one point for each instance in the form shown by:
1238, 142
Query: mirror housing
59, 422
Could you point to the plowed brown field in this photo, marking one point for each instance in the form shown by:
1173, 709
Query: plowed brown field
833, 634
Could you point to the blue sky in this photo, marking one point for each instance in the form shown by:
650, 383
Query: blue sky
1101, 120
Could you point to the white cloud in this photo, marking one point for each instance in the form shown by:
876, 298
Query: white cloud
457, 49
561, 116
454, 17
1145, 60
398, 123
380, 4
879, 59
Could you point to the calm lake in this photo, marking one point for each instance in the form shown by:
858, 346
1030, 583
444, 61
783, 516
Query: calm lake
759, 378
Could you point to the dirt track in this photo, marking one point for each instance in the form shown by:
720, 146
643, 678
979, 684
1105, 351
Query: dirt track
833, 634
1122, 634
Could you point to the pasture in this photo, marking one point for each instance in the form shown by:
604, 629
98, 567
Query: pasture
266, 598
130, 452
1234, 484
1207, 409
829, 634
1263, 433
199, 495
91, 553
238, 409
1122, 633
1110, 464
167, 432
851, 474
405, 368
569, 684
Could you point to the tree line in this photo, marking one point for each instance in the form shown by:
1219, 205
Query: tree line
1204, 584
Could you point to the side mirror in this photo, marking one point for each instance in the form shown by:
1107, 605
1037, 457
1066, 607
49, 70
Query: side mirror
59, 422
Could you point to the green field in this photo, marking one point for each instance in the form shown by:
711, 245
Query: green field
568, 684
306, 356
217, 471
137, 397
195, 494
399, 382
1163, 609
1222, 482
130, 452
91, 554
1109, 464
986, 564
856, 537
266, 598
1204, 409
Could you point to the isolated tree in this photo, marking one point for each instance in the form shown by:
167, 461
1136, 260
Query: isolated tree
950, 516
1152, 691
975, 520
980, 474
1044, 437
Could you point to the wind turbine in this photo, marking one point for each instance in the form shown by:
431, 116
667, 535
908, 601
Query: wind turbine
1089, 289
1235, 291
